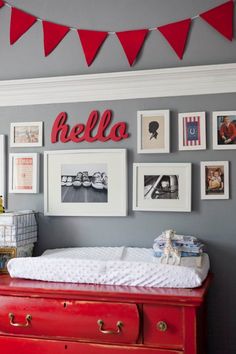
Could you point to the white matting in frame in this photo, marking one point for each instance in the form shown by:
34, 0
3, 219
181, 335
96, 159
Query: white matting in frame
153, 132
3, 168
192, 131
162, 187
67, 194
224, 130
24, 173
215, 180
26, 134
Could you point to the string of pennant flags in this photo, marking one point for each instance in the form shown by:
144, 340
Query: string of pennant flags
175, 33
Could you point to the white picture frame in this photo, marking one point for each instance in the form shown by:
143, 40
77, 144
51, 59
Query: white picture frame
192, 131
217, 123
24, 173
26, 134
162, 187
215, 180
153, 132
65, 193
3, 168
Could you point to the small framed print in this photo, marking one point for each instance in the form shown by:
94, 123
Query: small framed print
192, 131
3, 169
224, 130
153, 134
26, 134
5, 255
162, 186
215, 180
23, 173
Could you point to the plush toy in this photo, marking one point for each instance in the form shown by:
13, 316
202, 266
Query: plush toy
171, 254
2, 209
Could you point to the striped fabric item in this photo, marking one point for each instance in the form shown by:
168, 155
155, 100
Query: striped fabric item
191, 131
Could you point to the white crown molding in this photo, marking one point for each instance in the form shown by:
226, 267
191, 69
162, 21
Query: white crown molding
192, 80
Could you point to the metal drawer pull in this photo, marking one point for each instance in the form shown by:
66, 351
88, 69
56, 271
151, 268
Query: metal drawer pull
162, 326
119, 325
28, 318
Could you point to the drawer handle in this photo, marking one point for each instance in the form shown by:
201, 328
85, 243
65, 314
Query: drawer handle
119, 325
28, 318
162, 326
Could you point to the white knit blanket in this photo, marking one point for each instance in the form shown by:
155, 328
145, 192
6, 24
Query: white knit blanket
109, 265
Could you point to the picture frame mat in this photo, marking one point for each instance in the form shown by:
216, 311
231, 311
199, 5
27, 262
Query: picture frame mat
117, 195
35, 173
183, 170
202, 116
205, 164
153, 113
217, 146
3, 168
25, 124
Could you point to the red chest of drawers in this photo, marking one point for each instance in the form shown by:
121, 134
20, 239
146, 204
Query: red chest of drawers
54, 318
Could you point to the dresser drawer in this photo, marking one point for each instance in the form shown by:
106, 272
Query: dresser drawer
11, 345
93, 321
163, 325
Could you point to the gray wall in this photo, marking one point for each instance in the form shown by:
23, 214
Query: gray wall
212, 221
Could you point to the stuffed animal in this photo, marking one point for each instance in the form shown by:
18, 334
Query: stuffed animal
171, 254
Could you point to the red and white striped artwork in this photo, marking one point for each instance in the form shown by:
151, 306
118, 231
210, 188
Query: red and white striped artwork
191, 131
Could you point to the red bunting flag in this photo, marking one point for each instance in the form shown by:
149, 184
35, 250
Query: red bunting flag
91, 42
132, 42
20, 23
177, 34
2, 3
221, 19
53, 35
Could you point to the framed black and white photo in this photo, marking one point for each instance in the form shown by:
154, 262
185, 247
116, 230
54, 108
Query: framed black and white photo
153, 134
162, 186
26, 134
192, 131
224, 130
215, 180
85, 182
3, 169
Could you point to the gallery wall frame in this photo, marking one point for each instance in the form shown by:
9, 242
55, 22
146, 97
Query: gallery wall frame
224, 140
26, 134
24, 173
153, 131
85, 182
3, 168
192, 131
215, 180
162, 187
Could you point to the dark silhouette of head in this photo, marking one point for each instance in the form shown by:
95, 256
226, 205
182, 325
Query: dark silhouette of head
153, 126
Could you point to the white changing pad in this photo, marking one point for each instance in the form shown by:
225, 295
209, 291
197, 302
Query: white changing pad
109, 265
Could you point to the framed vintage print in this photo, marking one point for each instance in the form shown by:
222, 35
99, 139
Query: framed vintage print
3, 168
23, 173
192, 131
153, 134
215, 180
85, 182
26, 134
162, 186
224, 130
5, 255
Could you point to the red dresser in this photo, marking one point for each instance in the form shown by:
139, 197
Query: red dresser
54, 318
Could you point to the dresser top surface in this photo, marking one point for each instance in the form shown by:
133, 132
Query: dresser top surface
23, 287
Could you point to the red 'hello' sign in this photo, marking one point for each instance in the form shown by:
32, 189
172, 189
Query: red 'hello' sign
95, 129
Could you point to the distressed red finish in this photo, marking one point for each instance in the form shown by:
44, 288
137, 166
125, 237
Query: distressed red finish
64, 318
95, 129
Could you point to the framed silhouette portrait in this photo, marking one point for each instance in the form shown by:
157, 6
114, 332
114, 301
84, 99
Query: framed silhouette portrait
153, 134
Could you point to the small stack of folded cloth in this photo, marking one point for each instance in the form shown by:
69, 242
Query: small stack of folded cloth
188, 246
